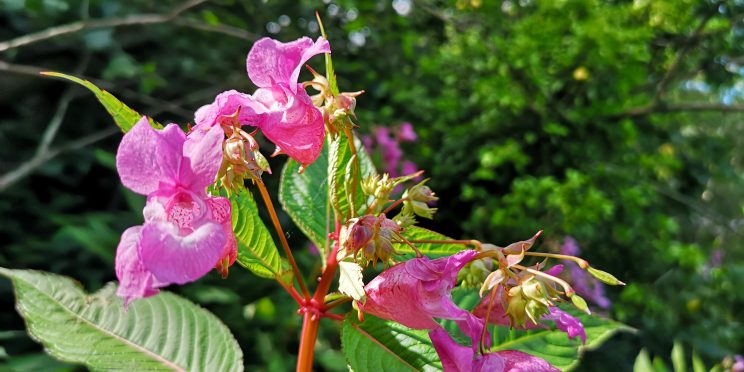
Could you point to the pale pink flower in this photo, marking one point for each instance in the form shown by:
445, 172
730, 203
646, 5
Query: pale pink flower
281, 107
186, 232
459, 358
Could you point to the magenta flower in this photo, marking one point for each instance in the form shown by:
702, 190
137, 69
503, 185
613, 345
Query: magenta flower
416, 291
458, 358
186, 232
281, 107
406, 133
388, 142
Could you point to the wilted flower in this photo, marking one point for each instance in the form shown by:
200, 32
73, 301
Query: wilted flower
416, 291
459, 358
186, 232
281, 107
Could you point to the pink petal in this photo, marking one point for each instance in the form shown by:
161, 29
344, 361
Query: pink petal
517, 361
173, 258
205, 158
136, 159
458, 358
566, 323
169, 153
134, 280
271, 62
454, 357
299, 130
415, 292
406, 133
227, 104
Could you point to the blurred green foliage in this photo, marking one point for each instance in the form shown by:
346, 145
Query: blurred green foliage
595, 119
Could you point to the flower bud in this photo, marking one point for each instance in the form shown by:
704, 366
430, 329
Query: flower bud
371, 236
474, 273
528, 300
416, 199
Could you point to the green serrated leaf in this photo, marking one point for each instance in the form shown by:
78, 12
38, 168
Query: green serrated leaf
431, 250
305, 196
555, 346
256, 249
124, 117
379, 345
157, 333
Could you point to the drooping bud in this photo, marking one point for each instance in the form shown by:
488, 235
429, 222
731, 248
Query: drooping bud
242, 160
416, 200
604, 276
369, 237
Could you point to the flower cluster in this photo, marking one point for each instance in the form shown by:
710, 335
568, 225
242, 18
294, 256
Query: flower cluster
186, 231
417, 292
280, 107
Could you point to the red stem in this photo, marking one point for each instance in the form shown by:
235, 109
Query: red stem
310, 323
311, 319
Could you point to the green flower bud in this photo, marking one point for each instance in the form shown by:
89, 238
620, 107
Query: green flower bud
604, 276
416, 199
474, 273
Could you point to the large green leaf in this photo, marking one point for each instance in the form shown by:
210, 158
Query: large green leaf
379, 345
431, 250
256, 249
164, 332
305, 196
123, 115
554, 346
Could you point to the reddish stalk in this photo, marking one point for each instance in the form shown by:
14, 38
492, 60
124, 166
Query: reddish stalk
391, 206
282, 237
314, 310
292, 291
310, 323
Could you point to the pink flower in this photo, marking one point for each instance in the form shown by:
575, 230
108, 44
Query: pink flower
458, 358
281, 107
416, 291
406, 133
186, 232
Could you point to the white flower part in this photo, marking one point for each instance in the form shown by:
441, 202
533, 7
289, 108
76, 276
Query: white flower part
350, 280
